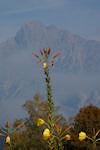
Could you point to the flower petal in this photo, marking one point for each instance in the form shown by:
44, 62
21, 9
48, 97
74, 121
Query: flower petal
8, 140
82, 136
68, 137
44, 65
40, 122
46, 134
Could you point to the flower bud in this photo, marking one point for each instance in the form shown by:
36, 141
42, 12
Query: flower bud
67, 129
93, 130
41, 51
57, 127
56, 55
35, 55
7, 124
44, 50
97, 132
52, 63
1, 134
49, 50
19, 126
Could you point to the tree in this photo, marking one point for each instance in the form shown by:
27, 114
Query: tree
86, 120
30, 137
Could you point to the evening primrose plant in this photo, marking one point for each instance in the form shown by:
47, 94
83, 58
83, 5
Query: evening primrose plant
7, 133
52, 132
59, 133
93, 139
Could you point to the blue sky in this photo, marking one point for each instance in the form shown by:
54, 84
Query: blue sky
81, 17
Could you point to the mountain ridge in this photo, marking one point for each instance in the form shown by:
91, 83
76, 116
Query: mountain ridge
75, 77
78, 51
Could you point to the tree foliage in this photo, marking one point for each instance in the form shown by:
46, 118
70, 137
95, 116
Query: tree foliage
86, 120
30, 136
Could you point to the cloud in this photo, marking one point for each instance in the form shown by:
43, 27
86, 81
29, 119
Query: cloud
21, 10
37, 5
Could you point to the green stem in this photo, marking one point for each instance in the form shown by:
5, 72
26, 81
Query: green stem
94, 145
3, 131
98, 140
52, 142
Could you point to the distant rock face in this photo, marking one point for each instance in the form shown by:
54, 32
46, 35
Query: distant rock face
20, 76
78, 55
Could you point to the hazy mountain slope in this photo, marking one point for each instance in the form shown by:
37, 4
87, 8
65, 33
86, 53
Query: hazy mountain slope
75, 78
77, 53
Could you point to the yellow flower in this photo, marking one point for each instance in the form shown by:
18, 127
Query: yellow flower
68, 137
44, 65
40, 122
46, 134
8, 140
82, 136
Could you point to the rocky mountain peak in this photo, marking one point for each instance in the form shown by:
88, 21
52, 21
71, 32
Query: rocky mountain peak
78, 54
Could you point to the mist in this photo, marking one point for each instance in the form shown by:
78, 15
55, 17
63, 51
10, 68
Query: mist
22, 78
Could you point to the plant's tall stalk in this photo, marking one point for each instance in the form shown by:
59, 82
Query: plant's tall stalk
45, 56
53, 133
52, 142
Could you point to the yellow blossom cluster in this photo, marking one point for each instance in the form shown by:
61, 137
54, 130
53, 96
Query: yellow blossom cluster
46, 132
